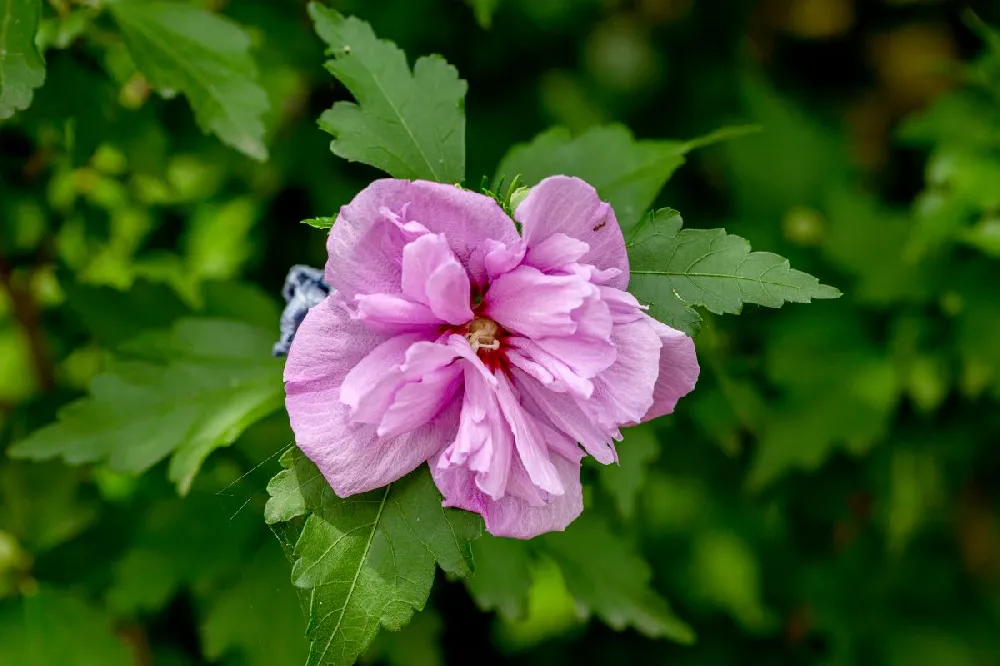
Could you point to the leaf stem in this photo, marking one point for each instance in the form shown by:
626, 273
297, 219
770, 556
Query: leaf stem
26, 313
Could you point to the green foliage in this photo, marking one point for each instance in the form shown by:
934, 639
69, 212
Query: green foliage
674, 268
408, 124
55, 627
209, 380
21, 66
610, 580
825, 496
180, 48
484, 10
365, 561
627, 173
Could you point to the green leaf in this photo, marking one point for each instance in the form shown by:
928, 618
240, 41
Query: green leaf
52, 627
179, 47
21, 66
502, 577
623, 481
320, 222
208, 381
408, 124
627, 173
484, 10
673, 269
368, 560
257, 618
611, 580
43, 505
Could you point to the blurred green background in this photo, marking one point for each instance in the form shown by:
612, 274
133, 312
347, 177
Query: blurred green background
829, 493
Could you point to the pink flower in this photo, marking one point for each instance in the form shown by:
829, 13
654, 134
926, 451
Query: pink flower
494, 357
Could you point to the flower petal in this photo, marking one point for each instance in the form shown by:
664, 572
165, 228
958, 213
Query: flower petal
328, 343
678, 370
529, 440
561, 204
366, 243
391, 314
433, 276
624, 392
351, 456
534, 304
565, 415
511, 516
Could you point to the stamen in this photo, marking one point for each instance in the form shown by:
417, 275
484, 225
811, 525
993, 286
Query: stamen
482, 334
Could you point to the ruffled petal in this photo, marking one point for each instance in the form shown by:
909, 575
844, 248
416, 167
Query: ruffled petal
352, 458
624, 392
570, 206
391, 314
366, 243
534, 304
529, 440
329, 343
566, 416
433, 276
678, 370
511, 516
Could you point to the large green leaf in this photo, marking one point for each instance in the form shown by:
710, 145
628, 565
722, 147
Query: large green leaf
366, 561
626, 172
408, 124
53, 627
179, 47
611, 580
673, 269
208, 380
21, 66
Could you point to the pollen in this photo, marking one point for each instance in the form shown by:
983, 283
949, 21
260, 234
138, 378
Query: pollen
482, 334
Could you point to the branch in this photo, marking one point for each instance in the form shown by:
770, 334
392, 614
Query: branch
26, 313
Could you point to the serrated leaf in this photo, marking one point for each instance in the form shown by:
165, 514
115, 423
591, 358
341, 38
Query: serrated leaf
611, 580
626, 172
408, 124
179, 47
366, 561
207, 381
623, 481
53, 627
320, 222
502, 577
21, 66
673, 268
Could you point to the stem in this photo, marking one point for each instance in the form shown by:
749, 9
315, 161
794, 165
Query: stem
26, 313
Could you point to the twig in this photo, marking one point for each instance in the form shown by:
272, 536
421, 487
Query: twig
26, 313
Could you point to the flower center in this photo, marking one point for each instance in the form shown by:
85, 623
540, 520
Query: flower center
482, 334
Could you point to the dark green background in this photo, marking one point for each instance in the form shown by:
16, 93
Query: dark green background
828, 495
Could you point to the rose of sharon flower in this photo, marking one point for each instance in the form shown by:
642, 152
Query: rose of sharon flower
449, 338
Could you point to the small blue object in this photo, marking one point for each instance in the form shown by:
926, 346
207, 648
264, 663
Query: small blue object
304, 288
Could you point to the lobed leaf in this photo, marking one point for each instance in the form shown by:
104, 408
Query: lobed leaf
626, 172
410, 124
366, 561
21, 66
610, 580
673, 269
179, 47
207, 382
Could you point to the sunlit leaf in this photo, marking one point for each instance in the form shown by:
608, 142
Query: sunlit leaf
180, 47
21, 66
410, 124
365, 562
